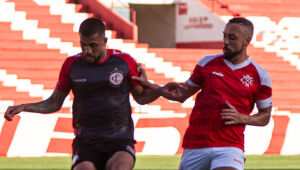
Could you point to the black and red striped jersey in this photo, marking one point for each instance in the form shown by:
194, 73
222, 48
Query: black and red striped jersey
101, 107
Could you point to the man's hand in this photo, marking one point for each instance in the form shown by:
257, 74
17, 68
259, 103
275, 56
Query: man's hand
172, 91
142, 79
231, 116
141, 71
12, 111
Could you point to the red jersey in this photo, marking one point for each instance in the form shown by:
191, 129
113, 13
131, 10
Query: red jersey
242, 85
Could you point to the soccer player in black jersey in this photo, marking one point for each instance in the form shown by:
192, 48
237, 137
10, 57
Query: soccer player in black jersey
101, 81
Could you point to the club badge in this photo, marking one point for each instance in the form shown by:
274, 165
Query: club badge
247, 80
116, 77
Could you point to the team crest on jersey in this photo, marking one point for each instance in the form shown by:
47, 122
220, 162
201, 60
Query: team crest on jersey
116, 77
247, 80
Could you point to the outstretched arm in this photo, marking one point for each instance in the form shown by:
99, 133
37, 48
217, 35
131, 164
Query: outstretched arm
52, 104
231, 116
149, 92
145, 95
181, 91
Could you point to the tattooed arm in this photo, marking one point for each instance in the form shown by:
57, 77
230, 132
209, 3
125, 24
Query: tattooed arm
52, 104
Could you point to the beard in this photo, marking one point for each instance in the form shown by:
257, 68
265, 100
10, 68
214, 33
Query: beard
228, 55
91, 59
94, 59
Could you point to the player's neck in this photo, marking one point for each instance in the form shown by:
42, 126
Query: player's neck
239, 58
103, 56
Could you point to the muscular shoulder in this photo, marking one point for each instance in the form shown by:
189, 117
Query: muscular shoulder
72, 58
263, 74
208, 59
125, 56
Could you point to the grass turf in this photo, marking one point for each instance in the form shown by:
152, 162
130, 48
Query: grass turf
149, 163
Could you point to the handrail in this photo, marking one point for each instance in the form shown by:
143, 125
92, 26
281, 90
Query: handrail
133, 17
125, 28
224, 6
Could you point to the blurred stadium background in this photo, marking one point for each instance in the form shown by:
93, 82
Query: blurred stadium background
168, 37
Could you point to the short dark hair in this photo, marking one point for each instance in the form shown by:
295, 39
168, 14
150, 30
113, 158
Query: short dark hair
243, 21
92, 26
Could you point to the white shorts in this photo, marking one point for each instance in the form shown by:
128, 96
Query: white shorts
211, 158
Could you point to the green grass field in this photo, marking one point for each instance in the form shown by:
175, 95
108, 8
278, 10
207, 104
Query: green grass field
148, 162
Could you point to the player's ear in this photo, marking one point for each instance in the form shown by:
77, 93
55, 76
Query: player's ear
248, 40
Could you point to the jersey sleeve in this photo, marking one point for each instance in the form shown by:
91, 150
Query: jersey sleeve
264, 92
133, 72
132, 67
197, 78
64, 82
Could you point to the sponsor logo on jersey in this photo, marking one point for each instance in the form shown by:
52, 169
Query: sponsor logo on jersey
80, 80
116, 77
247, 80
218, 74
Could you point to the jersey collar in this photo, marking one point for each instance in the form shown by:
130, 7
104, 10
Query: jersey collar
106, 58
237, 66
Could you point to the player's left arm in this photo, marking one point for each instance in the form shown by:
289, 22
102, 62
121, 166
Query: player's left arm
263, 96
262, 118
144, 95
146, 92
231, 116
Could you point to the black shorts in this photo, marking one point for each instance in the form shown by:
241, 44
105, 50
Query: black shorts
99, 153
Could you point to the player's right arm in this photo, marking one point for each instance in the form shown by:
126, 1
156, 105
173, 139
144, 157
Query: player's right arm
180, 91
172, 91
52, 104
192, 85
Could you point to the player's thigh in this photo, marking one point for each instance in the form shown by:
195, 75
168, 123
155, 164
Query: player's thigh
87, 156
194, 159
228, 158
120, 160
85, 165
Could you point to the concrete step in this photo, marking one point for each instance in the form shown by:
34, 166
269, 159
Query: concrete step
10, 93
32, 54
43, 16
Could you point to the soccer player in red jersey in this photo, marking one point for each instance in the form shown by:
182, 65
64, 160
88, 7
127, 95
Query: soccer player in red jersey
101, 81
231, 84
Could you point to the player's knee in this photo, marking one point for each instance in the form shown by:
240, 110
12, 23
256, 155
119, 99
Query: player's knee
85, 165
121, 165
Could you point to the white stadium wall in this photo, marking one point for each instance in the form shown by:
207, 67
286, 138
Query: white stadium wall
197, 27
33, 134
182, 24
